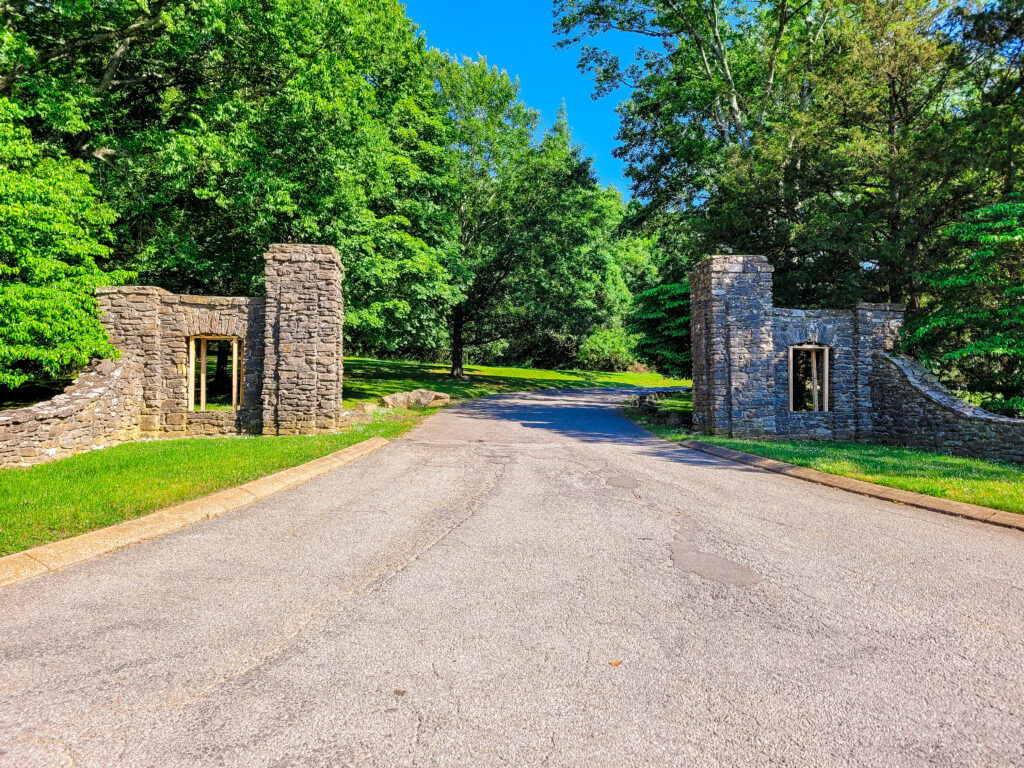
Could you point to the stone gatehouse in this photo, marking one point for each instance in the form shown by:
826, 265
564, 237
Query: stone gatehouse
820, 374
202, 365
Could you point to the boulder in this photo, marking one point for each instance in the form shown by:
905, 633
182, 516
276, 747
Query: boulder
422, 397
366, 407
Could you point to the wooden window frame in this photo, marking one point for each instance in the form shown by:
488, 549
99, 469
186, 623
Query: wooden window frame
237, 371
822, 399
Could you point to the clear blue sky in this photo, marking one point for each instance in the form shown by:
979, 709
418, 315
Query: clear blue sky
517, 37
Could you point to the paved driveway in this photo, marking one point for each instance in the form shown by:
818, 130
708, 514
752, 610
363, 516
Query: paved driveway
464, 597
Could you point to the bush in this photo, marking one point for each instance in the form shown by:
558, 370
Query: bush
608, 349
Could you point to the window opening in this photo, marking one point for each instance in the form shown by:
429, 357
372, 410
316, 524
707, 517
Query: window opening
215, 373
809, 377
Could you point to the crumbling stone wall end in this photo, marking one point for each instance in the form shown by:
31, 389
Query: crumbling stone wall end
912, 409
103, 407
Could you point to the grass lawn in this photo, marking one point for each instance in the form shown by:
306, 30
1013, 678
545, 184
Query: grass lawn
985, 483
367, 379
100, 488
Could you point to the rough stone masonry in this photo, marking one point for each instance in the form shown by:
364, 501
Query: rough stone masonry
743, 377
290, 365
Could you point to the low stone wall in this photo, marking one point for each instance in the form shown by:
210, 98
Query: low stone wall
101, 408
911, 408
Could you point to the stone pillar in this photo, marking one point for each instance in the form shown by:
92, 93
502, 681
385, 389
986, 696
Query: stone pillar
131, 315
731, 334
876, 328
303, 364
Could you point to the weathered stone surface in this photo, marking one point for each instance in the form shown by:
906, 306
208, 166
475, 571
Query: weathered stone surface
303, 365
911, 408
741, 347
102, 407
366, 407
422, 397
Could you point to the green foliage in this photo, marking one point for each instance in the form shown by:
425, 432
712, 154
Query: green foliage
839, 139
608, 349
973, 327
51, 229
532, 270
216, 127
661, 319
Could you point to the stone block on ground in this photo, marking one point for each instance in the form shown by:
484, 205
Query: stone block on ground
422, 397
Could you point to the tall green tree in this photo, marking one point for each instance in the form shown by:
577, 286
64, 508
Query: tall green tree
973, 326
215, 127
52, 232
526, 212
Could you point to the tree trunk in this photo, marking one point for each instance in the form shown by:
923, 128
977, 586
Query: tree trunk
458, 324
221, 382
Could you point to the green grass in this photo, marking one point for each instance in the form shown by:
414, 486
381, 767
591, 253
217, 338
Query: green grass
975, 481
680, 403
100, 488
97, 489
367, 379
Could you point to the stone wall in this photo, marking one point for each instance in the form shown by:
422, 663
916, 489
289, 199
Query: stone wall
186, 316
303, 368
911, 408
834, 329
101, 408
291, 367
877, 329
741, 345
152, 327
731, 332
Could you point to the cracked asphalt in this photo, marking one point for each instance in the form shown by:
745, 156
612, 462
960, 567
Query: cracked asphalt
529, 580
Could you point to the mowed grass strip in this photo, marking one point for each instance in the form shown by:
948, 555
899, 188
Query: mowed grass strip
93, 490
974, 481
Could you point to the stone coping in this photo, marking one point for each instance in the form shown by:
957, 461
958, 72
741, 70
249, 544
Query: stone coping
925, 383
885, 493
51, 557
92, 382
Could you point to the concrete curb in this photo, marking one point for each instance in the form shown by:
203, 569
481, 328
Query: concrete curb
919, 500
59, 554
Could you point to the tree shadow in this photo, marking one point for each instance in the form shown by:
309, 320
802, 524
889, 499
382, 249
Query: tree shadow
589, 416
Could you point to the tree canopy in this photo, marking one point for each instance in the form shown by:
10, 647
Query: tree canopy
840, 138
869, 148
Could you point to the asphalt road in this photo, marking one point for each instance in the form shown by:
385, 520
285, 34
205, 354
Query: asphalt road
464, 597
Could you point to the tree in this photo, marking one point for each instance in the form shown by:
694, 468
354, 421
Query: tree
526, 213
52, 225
216, 127
837, 138
973, 328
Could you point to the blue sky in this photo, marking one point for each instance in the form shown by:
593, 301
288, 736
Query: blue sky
517, 37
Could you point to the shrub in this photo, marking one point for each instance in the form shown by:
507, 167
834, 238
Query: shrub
608, 349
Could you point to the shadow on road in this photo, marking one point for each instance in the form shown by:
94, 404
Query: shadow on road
590, 416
